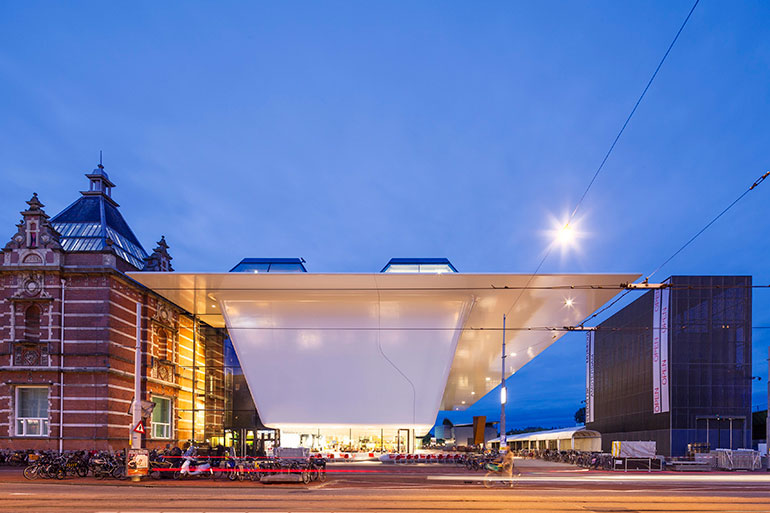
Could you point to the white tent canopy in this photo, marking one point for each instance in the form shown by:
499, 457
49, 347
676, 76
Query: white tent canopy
577, 438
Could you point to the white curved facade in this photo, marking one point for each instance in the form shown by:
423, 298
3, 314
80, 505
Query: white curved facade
380, 351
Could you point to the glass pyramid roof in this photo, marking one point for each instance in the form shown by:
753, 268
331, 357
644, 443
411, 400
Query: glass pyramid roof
93, 220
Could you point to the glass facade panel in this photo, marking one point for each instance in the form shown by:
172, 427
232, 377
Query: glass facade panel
270, 265
286, 268
435, 268
251, 268
403, 268
419, 265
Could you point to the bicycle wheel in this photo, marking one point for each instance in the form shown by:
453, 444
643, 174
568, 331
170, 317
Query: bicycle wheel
305, 477
81, 470
30, 472
489, 479
119, 472
322, 474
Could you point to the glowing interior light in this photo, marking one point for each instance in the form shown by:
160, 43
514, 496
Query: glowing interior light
503, 395
473, 393
569, 302
513, 354
488, 378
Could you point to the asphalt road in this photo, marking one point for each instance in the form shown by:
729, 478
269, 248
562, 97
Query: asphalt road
350, 488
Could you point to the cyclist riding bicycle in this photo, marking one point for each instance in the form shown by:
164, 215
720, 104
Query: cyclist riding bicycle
503, 464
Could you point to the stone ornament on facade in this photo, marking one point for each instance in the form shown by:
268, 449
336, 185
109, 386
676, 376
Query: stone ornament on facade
163, 371
31, 285
30, 355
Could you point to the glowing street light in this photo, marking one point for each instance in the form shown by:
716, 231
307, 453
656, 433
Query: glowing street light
566, 235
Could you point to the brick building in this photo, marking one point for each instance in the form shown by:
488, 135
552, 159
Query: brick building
68, 332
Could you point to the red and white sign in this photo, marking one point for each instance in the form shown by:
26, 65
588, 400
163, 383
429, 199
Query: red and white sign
590, 377
660, 389
139, 428
664, 390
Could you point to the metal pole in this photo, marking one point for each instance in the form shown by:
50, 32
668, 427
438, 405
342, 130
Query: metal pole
503, 393
708, 442
767, 428
136, 438
61, 372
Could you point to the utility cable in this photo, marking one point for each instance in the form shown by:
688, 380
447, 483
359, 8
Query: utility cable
723, 212
646, 280
628, 119
612, 146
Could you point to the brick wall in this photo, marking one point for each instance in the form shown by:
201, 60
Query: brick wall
98, 358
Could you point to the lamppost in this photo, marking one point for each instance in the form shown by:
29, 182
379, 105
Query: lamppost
503, 393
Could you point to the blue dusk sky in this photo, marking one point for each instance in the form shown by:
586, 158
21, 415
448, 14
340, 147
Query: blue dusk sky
352, 132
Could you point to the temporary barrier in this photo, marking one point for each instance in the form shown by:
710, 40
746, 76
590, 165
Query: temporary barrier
637, 464
739, 459
633, 449
291, 452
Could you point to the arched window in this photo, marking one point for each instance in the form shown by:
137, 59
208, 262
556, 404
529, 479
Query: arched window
32, 323
163, 349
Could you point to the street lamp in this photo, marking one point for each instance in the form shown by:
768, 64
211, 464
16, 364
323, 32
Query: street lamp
566, 234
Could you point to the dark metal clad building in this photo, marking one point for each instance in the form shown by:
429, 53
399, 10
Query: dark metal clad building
674, 366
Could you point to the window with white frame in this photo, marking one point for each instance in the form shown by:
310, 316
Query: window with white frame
161, 417
31, 411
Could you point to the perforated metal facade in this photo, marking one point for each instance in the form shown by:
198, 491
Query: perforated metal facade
709, 368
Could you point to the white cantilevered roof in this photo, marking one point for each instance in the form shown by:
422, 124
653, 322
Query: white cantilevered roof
394, 348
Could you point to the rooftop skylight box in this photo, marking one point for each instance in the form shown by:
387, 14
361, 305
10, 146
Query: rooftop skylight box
419, 266
270, 265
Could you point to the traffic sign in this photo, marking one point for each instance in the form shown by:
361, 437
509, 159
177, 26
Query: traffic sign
139, 428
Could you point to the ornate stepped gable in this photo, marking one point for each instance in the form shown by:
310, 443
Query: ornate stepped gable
33, 250
160, 260
36, 242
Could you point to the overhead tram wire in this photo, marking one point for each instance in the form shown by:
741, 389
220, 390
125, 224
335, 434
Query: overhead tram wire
620, 286
612, 146
692, 239
628, 119
444, 328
